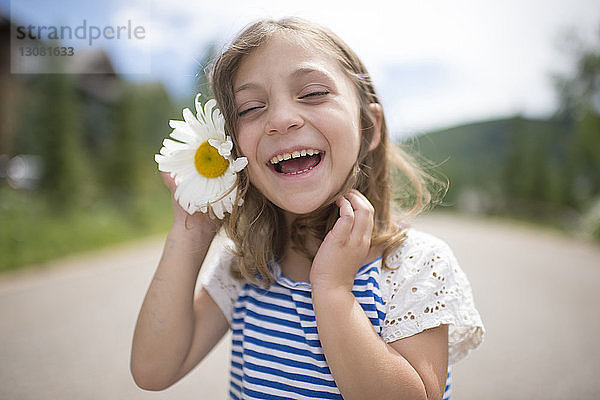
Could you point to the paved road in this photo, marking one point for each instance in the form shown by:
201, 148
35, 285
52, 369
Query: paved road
65, 331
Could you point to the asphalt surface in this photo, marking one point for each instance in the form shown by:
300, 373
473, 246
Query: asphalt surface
66, 328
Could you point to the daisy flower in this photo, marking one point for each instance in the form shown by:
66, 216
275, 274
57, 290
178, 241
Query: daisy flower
199, 159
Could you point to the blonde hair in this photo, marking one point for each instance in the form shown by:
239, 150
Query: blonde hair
257, 228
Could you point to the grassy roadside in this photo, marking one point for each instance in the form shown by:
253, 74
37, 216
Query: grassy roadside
31, 233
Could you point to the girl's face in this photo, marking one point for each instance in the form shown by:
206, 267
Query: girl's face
298, 123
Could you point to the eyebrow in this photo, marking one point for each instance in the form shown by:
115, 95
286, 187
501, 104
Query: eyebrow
299, 72
310, 70
249, 85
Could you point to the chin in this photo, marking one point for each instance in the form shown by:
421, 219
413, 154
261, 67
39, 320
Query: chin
300, 207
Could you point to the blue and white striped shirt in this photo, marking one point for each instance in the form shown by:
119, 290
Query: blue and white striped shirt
276, 352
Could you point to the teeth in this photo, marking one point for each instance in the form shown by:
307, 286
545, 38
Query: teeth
295, 154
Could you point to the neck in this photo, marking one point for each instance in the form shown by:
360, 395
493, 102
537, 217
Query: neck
294, 263
296, 266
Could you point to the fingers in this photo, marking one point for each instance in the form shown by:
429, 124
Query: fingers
355, 223
346, 245
343, 226
363, 217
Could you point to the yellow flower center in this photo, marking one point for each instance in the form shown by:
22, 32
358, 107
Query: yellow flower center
209, 162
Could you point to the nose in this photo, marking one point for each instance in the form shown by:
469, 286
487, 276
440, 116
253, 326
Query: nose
283, 117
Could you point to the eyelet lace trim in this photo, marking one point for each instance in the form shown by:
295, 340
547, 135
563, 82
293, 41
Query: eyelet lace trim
426, 289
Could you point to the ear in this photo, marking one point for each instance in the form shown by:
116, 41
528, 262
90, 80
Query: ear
377, 113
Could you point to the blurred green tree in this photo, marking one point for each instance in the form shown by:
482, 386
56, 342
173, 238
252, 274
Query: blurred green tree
579, 95
128, 147
65, 171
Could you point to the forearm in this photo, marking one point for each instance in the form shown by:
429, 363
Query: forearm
362, 364
165, 327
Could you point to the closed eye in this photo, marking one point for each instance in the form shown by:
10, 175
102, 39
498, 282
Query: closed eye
247, 110
315, 94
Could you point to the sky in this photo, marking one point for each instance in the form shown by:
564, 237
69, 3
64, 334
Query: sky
435, 63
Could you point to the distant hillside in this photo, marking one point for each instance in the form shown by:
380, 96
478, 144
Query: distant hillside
541, 170
493, 158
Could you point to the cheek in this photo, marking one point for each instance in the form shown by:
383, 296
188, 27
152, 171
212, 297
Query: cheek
348, 148
246, 144
347, 136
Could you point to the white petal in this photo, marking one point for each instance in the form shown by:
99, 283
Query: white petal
216, 143
223, 147
218, 209
184, 134
174, 146
181, 160
215, 113
198, 104
211, 213
228, 179
175, 124
182, 171
183, 198
219, 123
200, 187
177, 167
239, 164
199, 128
185, 195
165, 152
208, 107
228, 203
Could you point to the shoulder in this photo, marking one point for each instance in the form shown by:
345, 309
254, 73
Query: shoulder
215, 275
420, 255
415, 247
423, 287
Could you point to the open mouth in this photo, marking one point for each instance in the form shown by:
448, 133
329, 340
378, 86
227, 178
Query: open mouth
296, 162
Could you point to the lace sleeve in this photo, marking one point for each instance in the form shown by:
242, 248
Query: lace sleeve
216, 278
426, 288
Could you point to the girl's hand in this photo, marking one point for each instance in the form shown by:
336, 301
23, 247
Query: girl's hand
181, 217
347, 244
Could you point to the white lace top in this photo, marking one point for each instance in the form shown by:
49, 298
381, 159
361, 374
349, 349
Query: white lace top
425, 288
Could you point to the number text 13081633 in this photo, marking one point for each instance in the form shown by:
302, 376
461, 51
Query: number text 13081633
35, 51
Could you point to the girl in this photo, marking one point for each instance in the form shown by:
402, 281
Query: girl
326, 295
